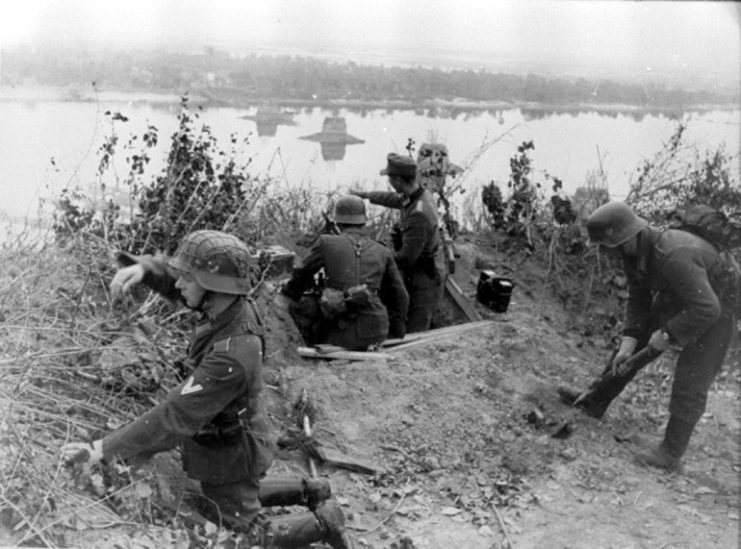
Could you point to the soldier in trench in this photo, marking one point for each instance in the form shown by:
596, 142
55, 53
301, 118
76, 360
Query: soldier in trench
363, 300
216, 414
416, 238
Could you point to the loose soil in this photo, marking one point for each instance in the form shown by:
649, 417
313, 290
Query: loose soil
467, 461
460, 432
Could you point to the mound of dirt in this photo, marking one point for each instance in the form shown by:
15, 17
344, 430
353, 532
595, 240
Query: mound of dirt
459, 430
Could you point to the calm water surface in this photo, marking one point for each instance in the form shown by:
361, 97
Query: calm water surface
566, 145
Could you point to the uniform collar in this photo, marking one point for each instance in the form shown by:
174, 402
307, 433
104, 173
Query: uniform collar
356, 230
224, 318
414, 196
647, 238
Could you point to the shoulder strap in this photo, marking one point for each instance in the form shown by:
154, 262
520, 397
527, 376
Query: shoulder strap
358, 246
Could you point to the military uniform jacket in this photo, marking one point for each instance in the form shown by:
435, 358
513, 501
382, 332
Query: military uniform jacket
215, 414
670, 285
419, 229
350, 259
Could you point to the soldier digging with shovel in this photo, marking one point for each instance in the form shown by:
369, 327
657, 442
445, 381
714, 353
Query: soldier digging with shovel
671, 302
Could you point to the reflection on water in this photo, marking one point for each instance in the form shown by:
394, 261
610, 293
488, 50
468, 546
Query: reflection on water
333, 138
633, 114
481, 141
268, 118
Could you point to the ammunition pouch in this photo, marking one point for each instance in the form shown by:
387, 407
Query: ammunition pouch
219, 435
358, 298
332, 303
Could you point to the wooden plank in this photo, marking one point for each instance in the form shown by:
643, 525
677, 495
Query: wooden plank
432, 338
327, 348
461, 300
441, 332
331, 352
310, 352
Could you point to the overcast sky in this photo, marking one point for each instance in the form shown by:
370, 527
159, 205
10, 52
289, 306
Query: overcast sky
691, 38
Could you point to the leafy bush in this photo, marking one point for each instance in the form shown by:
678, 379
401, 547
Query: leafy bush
668, 182
676, 176
526, 216
201, 187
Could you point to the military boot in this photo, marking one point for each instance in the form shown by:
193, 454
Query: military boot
668, 454
308, 492
295, 531
298, 531
333, 521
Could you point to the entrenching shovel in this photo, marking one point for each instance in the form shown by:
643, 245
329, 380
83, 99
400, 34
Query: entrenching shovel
315, 451
630, 366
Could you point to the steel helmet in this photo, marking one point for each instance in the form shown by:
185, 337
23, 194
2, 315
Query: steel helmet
219, 262
613, 224
350, 210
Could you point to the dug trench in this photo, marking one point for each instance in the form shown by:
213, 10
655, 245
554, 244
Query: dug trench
459, 430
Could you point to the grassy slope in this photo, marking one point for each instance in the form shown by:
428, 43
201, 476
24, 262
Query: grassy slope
446, 424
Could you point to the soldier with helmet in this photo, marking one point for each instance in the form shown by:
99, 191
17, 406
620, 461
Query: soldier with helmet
671, 301
364, 300
416, 239
216, 414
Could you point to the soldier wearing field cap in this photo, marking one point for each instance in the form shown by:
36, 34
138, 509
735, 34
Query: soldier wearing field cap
416, 238
215, 415
674, 299
364, 300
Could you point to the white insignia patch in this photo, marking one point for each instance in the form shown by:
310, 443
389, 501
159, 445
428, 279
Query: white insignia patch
189, 388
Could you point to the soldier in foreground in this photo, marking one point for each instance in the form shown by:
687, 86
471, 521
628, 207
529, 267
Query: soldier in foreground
364, 300
216, 413
671, 300
416, 239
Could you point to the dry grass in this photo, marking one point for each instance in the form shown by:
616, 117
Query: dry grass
57, 319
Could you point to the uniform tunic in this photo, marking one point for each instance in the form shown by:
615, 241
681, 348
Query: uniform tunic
351, 259
216, 414
417, 255
671, 286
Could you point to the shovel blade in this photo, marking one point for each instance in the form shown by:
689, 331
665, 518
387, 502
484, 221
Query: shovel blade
562, 430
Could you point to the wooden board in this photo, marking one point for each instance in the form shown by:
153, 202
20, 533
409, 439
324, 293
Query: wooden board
465, 304
344, 354
437, 332
432, 336
333, 352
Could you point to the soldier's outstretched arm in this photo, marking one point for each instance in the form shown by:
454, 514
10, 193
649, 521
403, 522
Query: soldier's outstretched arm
145, 269
384, 198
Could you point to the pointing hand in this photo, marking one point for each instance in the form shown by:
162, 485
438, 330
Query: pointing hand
124, 279
82, 452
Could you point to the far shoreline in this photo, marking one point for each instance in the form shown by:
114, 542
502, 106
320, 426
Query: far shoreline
219, 98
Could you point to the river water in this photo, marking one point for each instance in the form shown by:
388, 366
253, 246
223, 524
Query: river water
48, 145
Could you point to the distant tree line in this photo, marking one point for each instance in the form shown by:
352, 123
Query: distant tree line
308, 79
